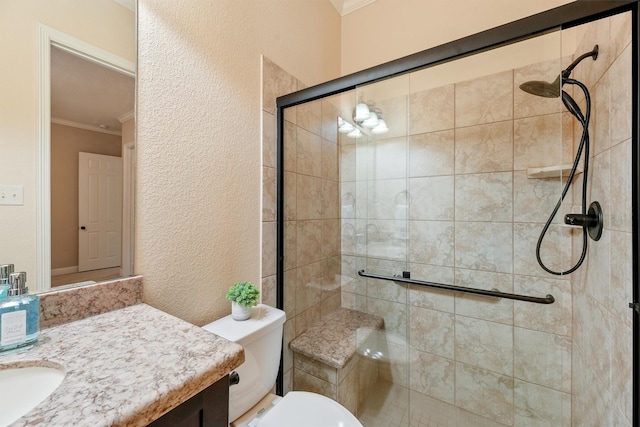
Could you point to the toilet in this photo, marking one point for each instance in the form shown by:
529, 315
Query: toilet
251, 403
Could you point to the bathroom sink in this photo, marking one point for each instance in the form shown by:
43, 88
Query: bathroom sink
22, 388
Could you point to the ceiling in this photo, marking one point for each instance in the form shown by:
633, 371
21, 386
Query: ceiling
87, 93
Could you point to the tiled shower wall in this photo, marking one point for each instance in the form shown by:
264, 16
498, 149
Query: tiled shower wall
602, 288
473, 220
312, 224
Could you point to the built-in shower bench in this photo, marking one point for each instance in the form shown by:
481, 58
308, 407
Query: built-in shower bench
332, 357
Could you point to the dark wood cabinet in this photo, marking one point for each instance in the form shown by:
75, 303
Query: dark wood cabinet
209, 408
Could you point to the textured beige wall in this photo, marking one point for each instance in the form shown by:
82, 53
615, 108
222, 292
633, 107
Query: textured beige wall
198, 206
66, 143
93, 21
389, 29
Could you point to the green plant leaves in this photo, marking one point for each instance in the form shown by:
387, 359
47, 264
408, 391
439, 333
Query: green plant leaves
244, 293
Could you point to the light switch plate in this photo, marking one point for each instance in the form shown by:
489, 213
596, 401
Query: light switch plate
12, 195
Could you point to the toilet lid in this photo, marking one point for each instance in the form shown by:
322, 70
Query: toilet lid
301, 408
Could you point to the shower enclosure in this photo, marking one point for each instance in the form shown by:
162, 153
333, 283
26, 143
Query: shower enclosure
428, 216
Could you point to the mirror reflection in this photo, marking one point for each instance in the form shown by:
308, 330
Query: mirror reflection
69, 128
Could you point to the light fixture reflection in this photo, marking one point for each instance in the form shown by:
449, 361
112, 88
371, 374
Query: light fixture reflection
355, 133
362, 112
380, 128
371, 121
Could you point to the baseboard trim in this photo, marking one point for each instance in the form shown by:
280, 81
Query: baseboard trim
64, 270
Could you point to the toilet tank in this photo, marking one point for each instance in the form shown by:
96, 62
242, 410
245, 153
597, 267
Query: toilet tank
261, 337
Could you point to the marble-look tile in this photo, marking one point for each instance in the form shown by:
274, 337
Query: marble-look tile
290, 286
268, 194
287, 381
367, 378
268, 291
431, 242
537, 141
598, 339
484, 197
431, 154
597, 282
305, 382
620, 176
330, 237
621, 114
535, 199
537, 406
309, 197
347, 393
431, 198
308, 240
432, 375
268, 248
621, 366
555, 250
431, 110
484, 100
473, 385
601, 116
528, 105
307, 318
484, 148
542, 358
315, 368
620, 31
621, 276
389, 291
430, 298
331, 278
394, 366
432, 331
290, 195
394, 315
553, 318
288, 336
276, 82
484, 246
290, 142
329, 156
347, 162
308, 153
330, 119
309, 117
330, 202
387, 200
479, 307
394, 153
268, 139
59, 306
330, 305
483, 344
290, 246
600, 183
309, 286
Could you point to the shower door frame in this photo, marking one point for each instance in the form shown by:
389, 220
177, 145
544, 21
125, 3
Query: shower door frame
567, 16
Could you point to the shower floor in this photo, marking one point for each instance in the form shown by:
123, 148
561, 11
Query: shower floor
391, 405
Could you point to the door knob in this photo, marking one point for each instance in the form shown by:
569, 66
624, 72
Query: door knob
83, 228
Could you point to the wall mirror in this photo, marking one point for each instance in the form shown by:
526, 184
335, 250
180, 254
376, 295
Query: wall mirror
67, 137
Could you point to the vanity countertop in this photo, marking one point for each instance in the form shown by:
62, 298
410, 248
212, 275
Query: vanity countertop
125, 367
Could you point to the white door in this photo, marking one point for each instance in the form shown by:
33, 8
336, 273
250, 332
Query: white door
100, 211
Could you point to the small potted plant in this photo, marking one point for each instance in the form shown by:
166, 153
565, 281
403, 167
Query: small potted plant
243, 296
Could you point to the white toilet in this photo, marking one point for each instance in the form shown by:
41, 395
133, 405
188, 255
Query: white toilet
250, 402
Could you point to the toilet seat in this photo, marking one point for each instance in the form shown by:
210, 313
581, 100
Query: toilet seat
301, 408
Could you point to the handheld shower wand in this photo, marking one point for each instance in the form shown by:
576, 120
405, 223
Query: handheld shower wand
591, 220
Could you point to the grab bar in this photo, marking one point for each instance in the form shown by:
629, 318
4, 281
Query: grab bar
549, 299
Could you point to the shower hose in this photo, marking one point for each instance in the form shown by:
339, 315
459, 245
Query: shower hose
584, 146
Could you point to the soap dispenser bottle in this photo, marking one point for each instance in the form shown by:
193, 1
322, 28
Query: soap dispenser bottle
5, 271
19, 315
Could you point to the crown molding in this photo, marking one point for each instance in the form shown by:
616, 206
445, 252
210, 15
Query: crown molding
126, 116
345, 7
84, 126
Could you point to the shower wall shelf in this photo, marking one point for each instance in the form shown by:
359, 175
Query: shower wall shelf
548, 299
551, 171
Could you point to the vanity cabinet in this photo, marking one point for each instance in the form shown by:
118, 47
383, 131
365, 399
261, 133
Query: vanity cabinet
209, 408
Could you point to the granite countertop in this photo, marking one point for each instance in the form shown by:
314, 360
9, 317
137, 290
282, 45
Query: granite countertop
126, 367
334, 339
